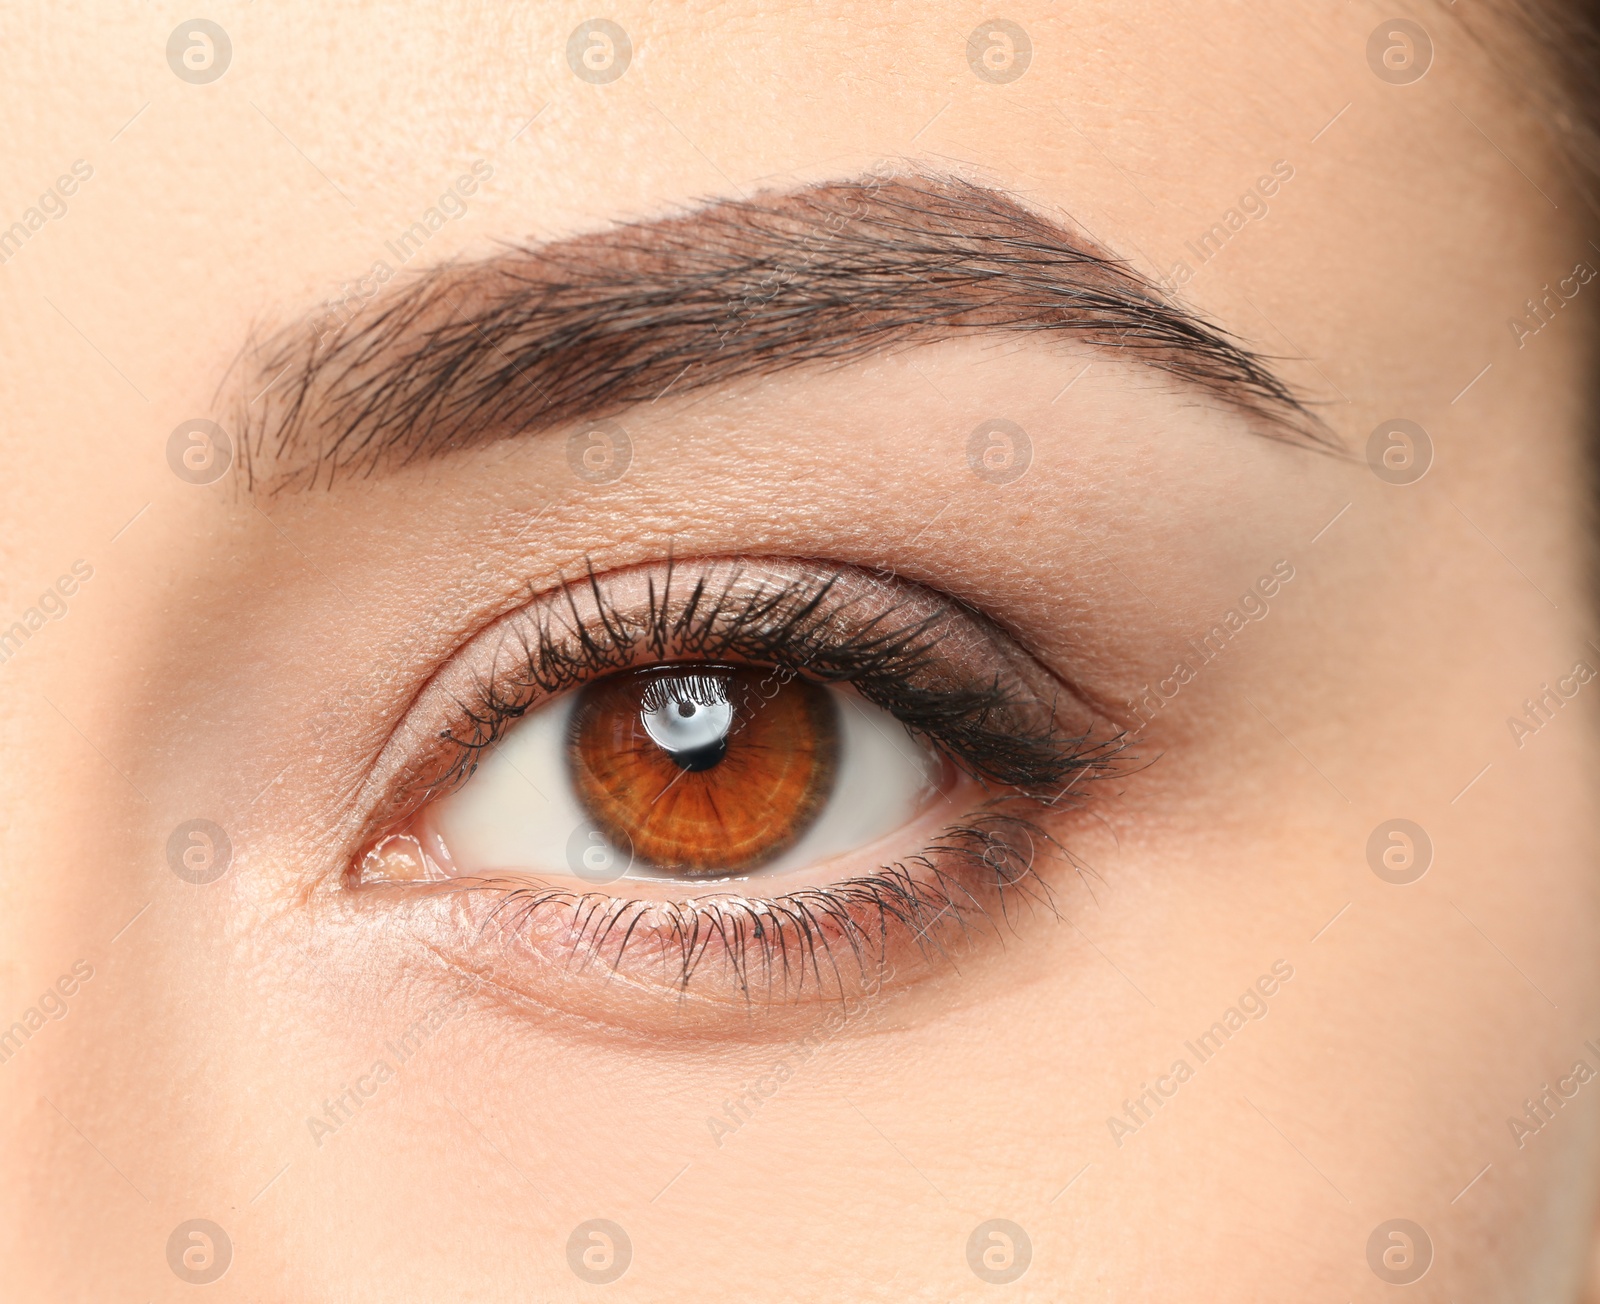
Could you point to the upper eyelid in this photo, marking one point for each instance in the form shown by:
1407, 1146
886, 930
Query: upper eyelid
478, 688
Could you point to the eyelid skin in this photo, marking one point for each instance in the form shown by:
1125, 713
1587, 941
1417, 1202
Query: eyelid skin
1022, 738
725, 963
947, 672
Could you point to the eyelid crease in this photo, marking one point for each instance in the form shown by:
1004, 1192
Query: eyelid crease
943, 670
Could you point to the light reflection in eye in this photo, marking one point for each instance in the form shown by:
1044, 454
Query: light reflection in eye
689, 717
691, 772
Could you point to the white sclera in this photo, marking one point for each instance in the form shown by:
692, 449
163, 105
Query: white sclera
519, 810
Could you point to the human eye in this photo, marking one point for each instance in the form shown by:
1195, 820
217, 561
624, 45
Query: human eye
698, 771
729, 781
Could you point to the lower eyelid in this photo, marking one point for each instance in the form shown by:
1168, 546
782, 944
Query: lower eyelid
628, 961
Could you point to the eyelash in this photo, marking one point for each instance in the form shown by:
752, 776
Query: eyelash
756, 936
976, 873
775, 627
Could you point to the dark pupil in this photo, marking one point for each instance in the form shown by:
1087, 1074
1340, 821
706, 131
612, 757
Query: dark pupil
696, 759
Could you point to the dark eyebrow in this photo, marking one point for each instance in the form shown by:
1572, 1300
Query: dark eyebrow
542, 336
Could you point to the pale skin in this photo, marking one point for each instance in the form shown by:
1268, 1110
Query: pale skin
243, 657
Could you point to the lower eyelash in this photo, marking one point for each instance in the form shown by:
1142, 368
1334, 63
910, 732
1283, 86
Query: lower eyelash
978, 874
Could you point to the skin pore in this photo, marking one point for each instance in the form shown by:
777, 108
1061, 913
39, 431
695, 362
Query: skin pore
255, 652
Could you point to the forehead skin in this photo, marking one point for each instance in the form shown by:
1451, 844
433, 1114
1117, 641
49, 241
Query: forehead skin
1414, 224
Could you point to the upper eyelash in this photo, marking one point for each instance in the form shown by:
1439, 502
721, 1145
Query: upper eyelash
791, 625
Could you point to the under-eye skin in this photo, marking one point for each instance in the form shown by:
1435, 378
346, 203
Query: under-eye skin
728, 781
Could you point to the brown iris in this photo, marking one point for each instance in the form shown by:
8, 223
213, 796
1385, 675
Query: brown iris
703, 769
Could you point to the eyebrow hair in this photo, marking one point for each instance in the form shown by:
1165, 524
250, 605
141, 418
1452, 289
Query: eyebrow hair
541, 336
